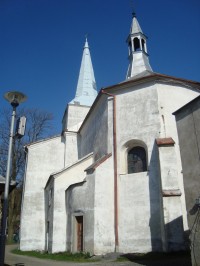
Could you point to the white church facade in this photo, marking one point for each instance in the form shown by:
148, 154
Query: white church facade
112, 181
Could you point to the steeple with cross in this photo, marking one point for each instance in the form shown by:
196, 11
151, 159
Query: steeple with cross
86, 93
138, 56
86, 90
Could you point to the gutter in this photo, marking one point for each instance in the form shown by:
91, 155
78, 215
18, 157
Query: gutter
115, 171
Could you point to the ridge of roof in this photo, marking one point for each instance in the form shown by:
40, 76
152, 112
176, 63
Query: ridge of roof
71, 165
54, 174
141, 78
94, 165
148, 75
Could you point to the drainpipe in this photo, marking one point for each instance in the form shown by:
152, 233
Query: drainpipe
115, 171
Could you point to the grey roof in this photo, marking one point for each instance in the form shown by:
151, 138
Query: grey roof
143, 74
86, 91
135, 26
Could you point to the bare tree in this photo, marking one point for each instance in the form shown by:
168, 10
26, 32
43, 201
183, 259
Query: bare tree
38, 126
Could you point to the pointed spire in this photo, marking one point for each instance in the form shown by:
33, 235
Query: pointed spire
86, 91
86, 42
138, 57
135, 26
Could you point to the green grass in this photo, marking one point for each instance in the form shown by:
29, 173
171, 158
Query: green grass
61, 256
122, 259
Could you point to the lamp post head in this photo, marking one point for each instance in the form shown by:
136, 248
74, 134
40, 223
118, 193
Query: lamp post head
15, 97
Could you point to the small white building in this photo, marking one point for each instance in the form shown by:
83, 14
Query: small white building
112, 182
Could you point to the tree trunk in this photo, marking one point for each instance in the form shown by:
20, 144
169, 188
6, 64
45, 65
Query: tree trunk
14, 212
14, 201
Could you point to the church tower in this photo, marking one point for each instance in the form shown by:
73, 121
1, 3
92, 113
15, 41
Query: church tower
86, 93
137, 44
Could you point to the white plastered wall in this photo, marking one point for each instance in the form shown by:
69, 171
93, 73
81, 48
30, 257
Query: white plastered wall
72, 175
172, 212
71, 147
104, 240
139, 193
43, 158
170, 98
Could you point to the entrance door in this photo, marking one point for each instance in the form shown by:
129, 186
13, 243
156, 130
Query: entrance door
79, 230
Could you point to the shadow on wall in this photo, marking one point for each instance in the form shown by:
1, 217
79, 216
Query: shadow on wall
156, 219
175, 235
49, 209
171, 233
164, 236
195, 237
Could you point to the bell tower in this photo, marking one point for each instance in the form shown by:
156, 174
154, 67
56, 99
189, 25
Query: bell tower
137, 45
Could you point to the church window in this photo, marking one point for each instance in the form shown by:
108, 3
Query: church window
137, 160
136, 44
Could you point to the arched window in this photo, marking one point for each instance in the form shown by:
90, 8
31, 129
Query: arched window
137, 160
136, 44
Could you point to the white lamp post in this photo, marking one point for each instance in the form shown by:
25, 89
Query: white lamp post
15, 98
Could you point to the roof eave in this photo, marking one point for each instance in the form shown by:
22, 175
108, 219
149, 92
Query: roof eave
151, 77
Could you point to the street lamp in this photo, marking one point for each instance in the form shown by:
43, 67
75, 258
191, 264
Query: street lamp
15, 98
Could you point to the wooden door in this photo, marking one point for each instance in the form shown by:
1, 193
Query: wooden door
79, 231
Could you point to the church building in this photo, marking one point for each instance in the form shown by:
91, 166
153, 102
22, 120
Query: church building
113, 180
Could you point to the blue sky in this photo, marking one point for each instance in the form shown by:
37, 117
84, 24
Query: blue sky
41, 44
